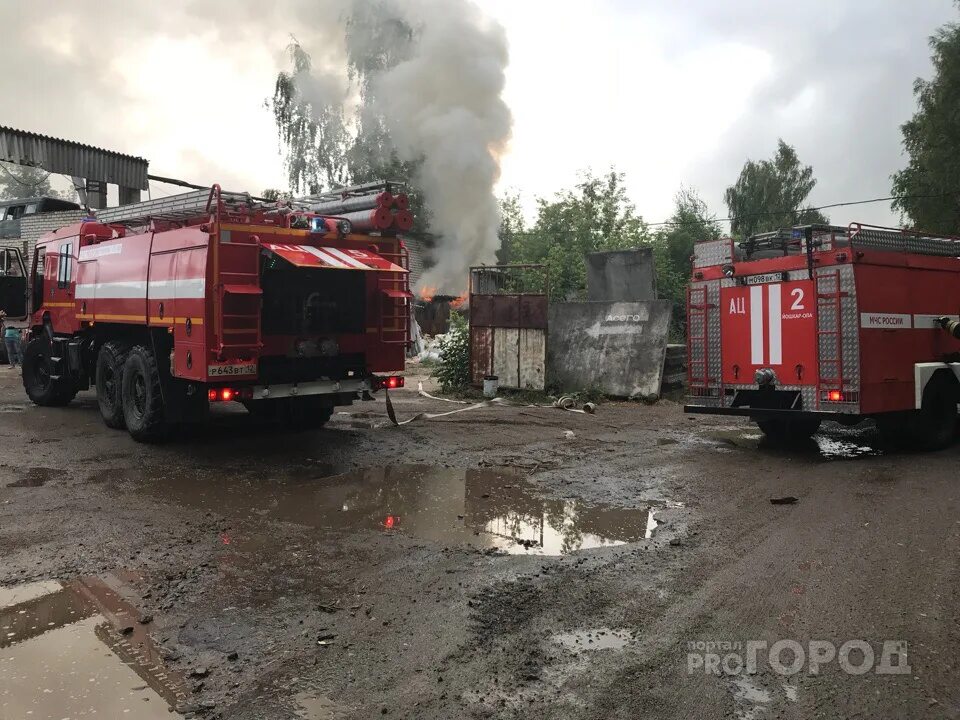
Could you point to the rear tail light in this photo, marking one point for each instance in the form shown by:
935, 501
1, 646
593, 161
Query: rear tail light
226, 394
840, 396
389, 383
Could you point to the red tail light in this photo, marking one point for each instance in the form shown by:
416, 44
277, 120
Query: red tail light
390, 383
229, 394
835, 396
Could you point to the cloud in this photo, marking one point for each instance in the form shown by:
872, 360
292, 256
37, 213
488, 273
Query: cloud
678, 92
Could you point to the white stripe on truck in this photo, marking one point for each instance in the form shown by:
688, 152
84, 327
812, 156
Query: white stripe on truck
756, 324
776, 324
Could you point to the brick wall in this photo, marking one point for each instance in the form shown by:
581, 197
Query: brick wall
33, 226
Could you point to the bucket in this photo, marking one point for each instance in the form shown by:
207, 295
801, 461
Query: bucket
491, 384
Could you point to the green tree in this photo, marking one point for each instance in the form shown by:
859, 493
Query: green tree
931, 180
512, 227
313, 133
673, 243
20, 181
325, 146
453, 368
595, 215
771, 194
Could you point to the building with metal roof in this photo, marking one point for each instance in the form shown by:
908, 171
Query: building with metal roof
94, 166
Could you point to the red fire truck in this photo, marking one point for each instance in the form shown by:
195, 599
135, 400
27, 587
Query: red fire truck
169, 305
819, 323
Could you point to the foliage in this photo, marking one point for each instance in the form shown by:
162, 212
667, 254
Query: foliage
313, 134
453, 369
770, 194
595, 215
20, 181
325, 144
690, 223
512, 224
932, 140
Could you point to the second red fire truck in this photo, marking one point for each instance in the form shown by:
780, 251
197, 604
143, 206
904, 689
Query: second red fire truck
819, 323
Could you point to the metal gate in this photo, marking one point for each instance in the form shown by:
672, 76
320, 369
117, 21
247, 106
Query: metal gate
508, 325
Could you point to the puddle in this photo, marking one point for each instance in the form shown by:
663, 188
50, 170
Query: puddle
16, 594
63, 655
484, 508
579, 641
316, 707
836, 449
652, 523
826, 446
34, 477
751, 699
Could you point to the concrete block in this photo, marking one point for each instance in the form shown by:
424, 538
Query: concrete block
621, 276
618, 348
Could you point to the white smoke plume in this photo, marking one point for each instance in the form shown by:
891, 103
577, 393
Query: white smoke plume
442, 106
445, 105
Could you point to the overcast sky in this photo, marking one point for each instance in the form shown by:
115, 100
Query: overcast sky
673, 93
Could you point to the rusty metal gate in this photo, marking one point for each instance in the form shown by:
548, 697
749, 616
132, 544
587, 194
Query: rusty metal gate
508, 325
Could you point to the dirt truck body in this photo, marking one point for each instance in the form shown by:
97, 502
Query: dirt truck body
820, 322
210, 297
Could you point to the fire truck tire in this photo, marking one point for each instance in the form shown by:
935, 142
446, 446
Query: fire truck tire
42, 387
306, 413
109, 380
785, 432
935, 426
293, 413
142, 396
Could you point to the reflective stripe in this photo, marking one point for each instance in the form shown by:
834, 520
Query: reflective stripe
322, 257
756, 324
775, 316
121, 290
351, 261
181, 288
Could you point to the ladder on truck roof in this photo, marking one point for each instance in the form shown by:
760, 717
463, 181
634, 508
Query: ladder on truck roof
177, 208
370, 188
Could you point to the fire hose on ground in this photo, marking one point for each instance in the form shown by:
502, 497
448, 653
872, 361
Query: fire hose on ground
565, 403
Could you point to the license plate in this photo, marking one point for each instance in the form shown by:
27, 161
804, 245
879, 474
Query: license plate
231, 370
763, 279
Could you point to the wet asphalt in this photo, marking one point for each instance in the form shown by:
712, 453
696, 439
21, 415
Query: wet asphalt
505, 562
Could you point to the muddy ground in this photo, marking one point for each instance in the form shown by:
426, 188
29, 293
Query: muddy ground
506, 562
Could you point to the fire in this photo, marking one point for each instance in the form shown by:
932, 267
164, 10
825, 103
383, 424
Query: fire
427, 293
458, 302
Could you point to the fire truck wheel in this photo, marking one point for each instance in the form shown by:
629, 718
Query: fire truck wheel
141, 395
935, 425
306, 413
792, 431
42, 386
109, 380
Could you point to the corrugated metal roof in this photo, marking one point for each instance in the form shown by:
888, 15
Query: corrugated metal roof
72, 158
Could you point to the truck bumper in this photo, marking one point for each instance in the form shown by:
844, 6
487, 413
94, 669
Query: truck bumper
757, 412
316, 387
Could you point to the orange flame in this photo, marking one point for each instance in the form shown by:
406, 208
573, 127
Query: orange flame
459, 302
427, 293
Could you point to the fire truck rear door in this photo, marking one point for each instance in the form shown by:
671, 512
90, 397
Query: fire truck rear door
769, 325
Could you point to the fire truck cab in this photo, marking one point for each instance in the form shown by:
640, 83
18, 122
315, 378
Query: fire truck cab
170, 305
816, 323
